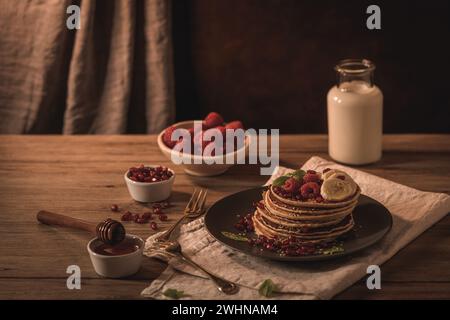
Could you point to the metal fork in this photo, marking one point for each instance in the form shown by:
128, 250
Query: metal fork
223, 285
194, 209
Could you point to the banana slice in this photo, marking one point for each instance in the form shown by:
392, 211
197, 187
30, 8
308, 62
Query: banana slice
335, 189
335, 173
331, 173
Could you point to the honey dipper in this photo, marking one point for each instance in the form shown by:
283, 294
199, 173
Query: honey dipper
109, 231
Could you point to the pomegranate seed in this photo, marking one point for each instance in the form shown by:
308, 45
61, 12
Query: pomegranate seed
153, 225
146, 215
157, 210
156, 205
239, 226
291, 252
115, 208
162, 217
165, 204
127, 216
141, 220
147, 174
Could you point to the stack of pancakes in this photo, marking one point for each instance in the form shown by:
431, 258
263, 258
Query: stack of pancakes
307, 221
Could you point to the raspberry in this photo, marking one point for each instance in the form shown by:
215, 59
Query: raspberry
234, 125
310, 171
191, 132
291, 185
222, 131
212, 150
199, 141
210, 134
311, 177
167, 137
310, 190
213, 119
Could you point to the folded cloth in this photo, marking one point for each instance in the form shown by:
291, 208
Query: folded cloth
413, 212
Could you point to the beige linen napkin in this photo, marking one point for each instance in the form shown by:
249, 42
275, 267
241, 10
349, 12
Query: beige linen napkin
413, 212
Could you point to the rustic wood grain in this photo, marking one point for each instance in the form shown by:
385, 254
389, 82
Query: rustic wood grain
82, 176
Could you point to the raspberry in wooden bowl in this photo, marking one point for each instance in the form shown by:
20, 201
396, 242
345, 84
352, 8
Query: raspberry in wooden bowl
199, 161
151, 183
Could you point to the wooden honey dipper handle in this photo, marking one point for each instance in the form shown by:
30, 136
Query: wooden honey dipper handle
108, 231
53, 219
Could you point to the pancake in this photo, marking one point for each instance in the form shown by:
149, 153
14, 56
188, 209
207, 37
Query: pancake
269, 198
308, 221
263, 229
302, 214
314, 204
310, 232
267, 215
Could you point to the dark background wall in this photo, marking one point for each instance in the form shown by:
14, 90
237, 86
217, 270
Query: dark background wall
270, 62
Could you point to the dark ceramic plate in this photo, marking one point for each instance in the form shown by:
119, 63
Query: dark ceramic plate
372, 222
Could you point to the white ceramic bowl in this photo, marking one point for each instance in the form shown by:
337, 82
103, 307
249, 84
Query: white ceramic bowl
116, 266
202, 169
150, 191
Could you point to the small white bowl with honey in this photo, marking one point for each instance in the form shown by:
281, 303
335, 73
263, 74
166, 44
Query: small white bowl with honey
116, 261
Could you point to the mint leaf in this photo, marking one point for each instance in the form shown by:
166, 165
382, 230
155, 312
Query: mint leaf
333, 250
278, 182
174, 294
297, 174
267, 288
234, 236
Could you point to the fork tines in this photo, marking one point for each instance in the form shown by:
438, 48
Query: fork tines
197, 202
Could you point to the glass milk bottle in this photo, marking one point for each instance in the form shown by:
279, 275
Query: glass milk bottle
355, 114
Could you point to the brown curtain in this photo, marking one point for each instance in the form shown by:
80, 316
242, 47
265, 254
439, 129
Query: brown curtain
113, 75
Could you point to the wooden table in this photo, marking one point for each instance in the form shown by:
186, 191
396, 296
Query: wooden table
82, 176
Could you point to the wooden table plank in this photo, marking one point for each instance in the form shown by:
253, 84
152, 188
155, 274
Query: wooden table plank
82, 176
